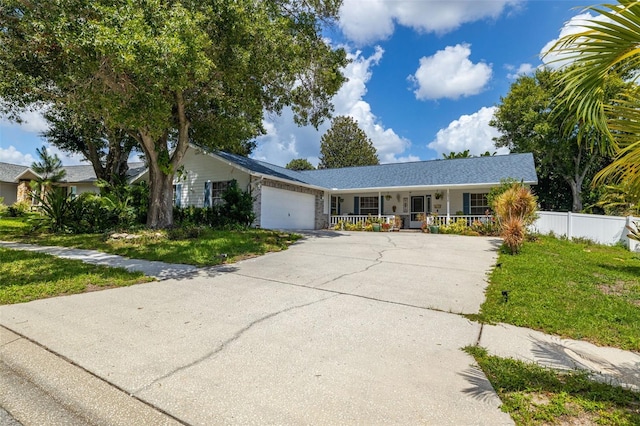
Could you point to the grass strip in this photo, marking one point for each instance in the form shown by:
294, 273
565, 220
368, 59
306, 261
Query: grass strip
199, 246
29, 276
576, 290
534, 395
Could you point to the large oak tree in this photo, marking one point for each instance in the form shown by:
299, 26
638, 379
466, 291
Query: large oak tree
171, 72
531, 119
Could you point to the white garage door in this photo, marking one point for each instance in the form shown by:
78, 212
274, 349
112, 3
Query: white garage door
283, 209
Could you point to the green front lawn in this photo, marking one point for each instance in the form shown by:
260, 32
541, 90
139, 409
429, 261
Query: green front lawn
199, 246
575, 290
534, 395
29, 276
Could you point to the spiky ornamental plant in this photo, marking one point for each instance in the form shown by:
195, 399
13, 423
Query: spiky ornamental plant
515, 209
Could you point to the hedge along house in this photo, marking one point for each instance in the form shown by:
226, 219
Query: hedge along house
316, 199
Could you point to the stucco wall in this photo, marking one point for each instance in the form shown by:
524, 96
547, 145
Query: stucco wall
9, 191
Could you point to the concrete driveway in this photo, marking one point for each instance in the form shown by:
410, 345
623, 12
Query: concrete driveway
342, 328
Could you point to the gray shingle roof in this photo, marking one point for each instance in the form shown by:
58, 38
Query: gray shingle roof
75, 174
9, 172
264, 168
463, 171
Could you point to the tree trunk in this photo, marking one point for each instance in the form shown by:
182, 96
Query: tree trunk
162, 167
576, 193
160, 214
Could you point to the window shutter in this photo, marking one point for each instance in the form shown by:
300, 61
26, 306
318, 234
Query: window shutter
382, 204
356, 205
207, 194
178, 196
466, 203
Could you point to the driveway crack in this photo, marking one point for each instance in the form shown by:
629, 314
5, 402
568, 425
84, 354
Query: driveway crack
229, 341
377, 261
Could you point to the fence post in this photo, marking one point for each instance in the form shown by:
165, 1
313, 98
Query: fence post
569, 226
625, 233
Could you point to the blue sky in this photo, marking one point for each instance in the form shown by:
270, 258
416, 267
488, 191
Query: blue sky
424, 79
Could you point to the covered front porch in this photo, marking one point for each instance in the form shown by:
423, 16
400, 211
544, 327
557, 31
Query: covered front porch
408, 209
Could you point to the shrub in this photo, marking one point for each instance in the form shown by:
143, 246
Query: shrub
237, 207
513, 234
236, 212
18, 209
515, 208
459, 226
56, 206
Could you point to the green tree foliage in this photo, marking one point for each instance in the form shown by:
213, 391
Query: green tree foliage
452, 155
607, 49
171, 72
300, 164
106, 149
346, 145
530, 121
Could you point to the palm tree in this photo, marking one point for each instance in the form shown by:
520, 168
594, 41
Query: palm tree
49, 168
608, 46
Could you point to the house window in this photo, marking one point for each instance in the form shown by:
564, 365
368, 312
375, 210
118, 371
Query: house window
217, 189
369, 205
213, 192
478, 204
72, 191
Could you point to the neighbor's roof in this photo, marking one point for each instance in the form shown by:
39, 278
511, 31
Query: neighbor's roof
9, 172
459, 172
436, 173
75, 174
85, 174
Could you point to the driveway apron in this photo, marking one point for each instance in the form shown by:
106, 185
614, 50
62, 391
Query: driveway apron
342, 328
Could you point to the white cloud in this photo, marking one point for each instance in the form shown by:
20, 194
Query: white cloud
523, 69
285, 141
367, 21
450, 74
32, 121
13, 156
470, 132
574, 26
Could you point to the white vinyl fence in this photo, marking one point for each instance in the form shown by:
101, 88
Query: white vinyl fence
608, 230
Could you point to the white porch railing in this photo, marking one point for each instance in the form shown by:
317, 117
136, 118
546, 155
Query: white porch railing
431, 220
354, 219
469, 218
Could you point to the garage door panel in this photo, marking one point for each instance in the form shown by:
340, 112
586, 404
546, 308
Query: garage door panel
282, 209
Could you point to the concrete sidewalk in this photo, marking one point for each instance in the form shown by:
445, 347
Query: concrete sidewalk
341, 328
608, 365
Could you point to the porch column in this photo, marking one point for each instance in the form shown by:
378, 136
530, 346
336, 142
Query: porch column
448, 207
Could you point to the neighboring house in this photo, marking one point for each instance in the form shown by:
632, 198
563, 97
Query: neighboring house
315, 199
15, 180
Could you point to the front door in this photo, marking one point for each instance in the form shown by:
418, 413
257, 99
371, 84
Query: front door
417, 210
